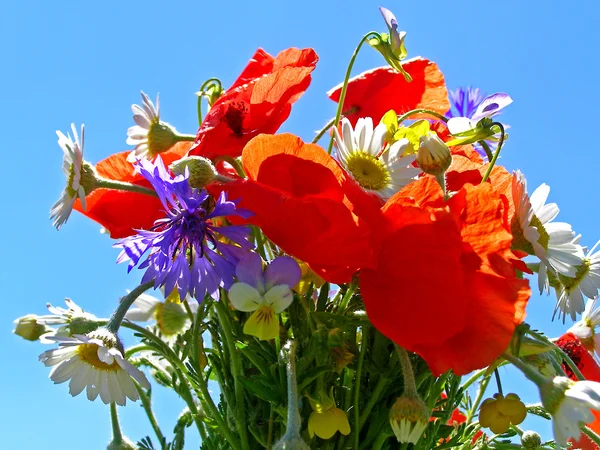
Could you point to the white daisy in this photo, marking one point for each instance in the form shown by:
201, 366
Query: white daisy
74, 320
552, 242
571, 291
376, 168
73, 169
94, 361
150, 135
570, 403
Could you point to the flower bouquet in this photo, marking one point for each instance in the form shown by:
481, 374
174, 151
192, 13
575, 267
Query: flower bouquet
356, 295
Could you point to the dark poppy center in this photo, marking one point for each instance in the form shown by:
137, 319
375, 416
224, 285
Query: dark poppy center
234, 117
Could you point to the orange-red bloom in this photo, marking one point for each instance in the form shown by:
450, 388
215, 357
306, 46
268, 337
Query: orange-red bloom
307, 205
375, 92
445, 286
258, 102
589, 368
121, 212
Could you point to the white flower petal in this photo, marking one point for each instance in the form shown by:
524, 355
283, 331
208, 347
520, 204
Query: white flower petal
279, 297
244, 297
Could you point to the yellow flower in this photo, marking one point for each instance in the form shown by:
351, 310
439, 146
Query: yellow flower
326, 419
308, 277
500, 412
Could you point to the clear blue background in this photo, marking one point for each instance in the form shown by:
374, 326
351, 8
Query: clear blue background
73, 61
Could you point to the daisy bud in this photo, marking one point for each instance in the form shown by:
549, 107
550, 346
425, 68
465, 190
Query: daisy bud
434, 155
28, 328
202, 171
171, 317
121, 444
409, 417
531, 440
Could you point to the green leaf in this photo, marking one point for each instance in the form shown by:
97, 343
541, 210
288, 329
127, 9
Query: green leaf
257, 386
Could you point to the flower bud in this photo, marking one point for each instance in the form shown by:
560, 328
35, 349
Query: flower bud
531, 440
171, 317
434, 155
28, 328
553, 392
202, 171
409, 417
291, 443
161, 137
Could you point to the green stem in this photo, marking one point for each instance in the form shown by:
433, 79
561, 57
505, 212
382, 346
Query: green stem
478, 398
237, 369
117, 317
338, 112
379, 441
486, 148
181, 370
591, 434
412, 112
410, 388
527, 370
114, 420
497, 153
361, 359
379, 387
498, 382
293, 415
270, 431
124, 186
329, 124
185, 137
145, 399
235, 163
347, 296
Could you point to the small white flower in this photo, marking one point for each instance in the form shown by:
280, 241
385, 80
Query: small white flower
72, 167
552, 242
74, 320
570, 407
376, 168
585, 328
171, 316
150, 135
94, 361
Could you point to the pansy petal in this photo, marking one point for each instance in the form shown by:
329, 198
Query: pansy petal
244, 297
250, 271
282, 270
279, 297
263, 324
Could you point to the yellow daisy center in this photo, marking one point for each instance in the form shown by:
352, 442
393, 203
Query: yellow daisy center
89, 354
368, 171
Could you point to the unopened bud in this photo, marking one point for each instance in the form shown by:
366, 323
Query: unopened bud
202, 171
531, 440
409, 417
434, 155
171, 317
161, 137
122, 444
28, 328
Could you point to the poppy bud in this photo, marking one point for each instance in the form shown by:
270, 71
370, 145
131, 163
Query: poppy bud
202, 171
531, 440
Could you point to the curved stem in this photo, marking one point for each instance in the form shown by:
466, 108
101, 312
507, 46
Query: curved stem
410, 388
117, 317
528, 371
124, 186
329, 124
235, 163
237, 371
497, 153
185, 137
486, 148
338, 113
361, 359
145, 399
412, 112
482, 387
562, 353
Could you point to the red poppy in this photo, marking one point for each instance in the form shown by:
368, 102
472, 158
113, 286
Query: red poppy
121, 212
306, 204
376, 91
258, 102
589, 368
445, 286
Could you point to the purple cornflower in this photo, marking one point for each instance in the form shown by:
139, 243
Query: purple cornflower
185, 252
464, 101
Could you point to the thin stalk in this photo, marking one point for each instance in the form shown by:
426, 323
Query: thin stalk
237, 369
480, 392
592, 435
498, 382
527, 370
114, 420
412, 112
329, 124
124, 186
117, 317
361, 360
338, 112
379, 387
486, 148
497, 153
148, 409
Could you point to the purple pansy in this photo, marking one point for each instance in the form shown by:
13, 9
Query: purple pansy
185, 252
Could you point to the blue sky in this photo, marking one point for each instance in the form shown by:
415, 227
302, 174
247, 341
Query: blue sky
72, 61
